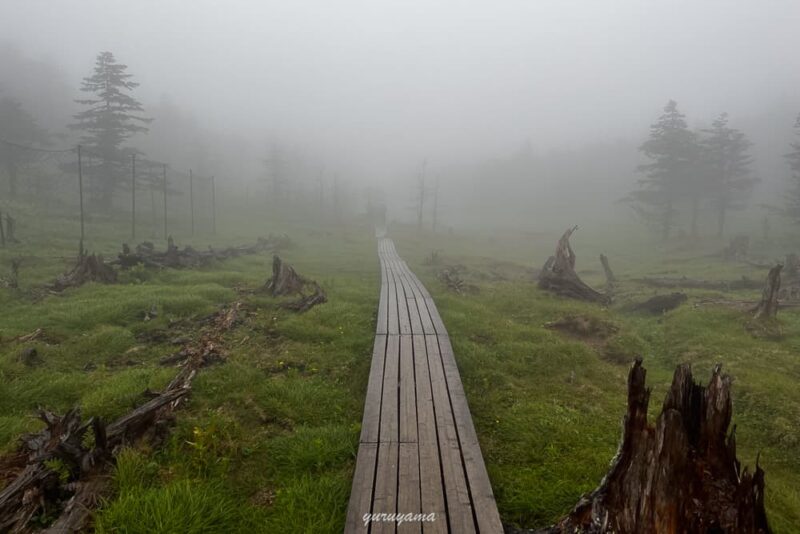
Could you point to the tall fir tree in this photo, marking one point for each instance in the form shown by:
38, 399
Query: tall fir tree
670, 177
110, 118
726, 168
18, 129
793, 159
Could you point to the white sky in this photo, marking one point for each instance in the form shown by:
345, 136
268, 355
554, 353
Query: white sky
389, 82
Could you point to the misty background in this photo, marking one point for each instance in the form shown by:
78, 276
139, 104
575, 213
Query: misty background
527, 114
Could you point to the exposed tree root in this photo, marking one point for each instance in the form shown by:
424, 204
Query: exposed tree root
679, 475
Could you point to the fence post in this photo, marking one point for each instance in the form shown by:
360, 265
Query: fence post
191, 199
80, 188
165, 200
213, 207
133, 197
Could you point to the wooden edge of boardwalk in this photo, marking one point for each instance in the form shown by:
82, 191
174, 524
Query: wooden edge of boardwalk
418, 458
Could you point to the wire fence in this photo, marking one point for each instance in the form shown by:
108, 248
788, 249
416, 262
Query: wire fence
81, 163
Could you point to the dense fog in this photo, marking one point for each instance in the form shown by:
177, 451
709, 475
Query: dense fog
512, 107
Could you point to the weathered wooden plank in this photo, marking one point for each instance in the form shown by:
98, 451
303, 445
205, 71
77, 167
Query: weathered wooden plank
370, 423
481, 489
393, 326
390, 412
408, 400
402, 302
438, 324
361, 492
413, 309
408, 491
459, 505
383, 303
431, 483
385, 499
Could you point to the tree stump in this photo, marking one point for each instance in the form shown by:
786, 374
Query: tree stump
681, 475
558, 274
285, 281
88, 268
610, 278
768, 307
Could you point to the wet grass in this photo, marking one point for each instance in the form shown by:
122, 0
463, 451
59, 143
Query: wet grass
267, 440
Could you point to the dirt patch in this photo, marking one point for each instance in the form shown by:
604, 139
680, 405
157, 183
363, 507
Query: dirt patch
586, 328
599, 334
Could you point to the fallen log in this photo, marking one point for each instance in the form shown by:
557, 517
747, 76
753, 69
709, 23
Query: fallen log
81, 479
558, 274
679, 475
767, 308
175, 258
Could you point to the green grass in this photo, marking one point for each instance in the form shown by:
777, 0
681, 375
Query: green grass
267, 440
548, 408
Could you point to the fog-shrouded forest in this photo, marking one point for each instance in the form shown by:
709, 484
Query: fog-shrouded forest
420, 266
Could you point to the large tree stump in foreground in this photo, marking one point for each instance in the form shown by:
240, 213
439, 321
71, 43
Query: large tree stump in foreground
679, 476
768, 307
558, 274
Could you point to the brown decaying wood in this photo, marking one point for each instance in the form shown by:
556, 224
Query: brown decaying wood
768, 307
558, 274
610, 278
679, 475
88, 268
173, 257
285, 281
34, 486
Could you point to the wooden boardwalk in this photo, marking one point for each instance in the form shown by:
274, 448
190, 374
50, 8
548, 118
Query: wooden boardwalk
418, 452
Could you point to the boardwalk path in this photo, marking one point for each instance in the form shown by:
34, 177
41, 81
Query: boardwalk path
418, 451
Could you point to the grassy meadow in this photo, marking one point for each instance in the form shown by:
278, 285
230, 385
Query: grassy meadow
267, 441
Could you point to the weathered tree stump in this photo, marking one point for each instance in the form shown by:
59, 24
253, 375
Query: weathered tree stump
610, 278
558, 274
679, 475
285, 281
768, 307
88, 268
